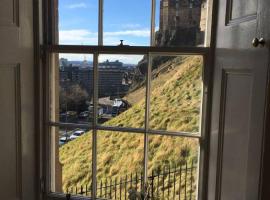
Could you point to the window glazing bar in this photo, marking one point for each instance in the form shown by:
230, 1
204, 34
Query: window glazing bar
100, 22
61, 196
138, 50
153, 22
147, 111
71, 125
204, 129
120, 129
94, 137
126, 129
202, 147
169, 133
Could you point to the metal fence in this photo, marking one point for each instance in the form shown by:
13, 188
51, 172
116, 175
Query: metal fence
176, 183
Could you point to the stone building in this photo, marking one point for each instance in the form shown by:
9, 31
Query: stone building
111, 75
180, 23
183, 14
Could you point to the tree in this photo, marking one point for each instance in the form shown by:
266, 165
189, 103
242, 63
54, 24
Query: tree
73, 97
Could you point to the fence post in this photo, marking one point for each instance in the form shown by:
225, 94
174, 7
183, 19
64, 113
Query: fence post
120, 188
169, 179
158, 183
100, 190
90, 189
180, 181
174, 181
96, 187
136, 181
131, 181
115, 188
191, 180
142, 184
126, 187
163, 180
186, 182
106, 183
152, 185
111, 188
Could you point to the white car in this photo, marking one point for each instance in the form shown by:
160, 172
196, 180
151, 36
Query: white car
76, 134
63, 140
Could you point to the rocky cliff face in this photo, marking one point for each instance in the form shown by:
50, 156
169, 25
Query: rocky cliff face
178, 37
189, 33
172, 38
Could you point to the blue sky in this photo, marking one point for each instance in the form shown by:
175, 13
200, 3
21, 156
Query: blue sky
123, 19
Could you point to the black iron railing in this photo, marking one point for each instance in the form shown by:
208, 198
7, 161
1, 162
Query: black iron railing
176, 183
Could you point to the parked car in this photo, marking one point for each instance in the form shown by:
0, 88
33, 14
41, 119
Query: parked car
119, 106
63, 140
71, 113
100, 111
84, 114
69, 116
76, 134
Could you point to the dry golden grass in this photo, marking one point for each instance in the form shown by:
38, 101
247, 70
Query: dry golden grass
175, 106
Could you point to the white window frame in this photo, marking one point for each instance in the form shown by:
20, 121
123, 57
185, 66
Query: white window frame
50, 47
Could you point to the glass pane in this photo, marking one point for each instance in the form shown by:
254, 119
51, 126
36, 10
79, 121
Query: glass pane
172, 167
119, 164
127, 20
122, 83
176, 93
78, 22
71, 163
72, 88
180, 23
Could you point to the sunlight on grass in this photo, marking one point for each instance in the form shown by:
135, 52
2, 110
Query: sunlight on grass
175, 105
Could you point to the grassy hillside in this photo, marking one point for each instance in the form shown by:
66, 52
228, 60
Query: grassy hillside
175, 105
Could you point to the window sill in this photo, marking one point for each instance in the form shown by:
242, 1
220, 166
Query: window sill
60, 196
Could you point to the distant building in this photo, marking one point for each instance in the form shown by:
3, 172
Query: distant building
108, 64
180, 22
63, 62
181, 14
111, 81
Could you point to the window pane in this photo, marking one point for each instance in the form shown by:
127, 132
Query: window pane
180, 23
176, 92
78, 22
127, 20
122, 83
171, 161
72, 88
71, 151
119, 164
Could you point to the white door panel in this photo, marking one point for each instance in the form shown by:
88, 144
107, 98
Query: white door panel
17, 149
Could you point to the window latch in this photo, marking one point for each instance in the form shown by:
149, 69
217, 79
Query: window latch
122, 44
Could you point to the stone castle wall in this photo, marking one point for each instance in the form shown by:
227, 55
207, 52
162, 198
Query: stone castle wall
183, 14
181, 22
